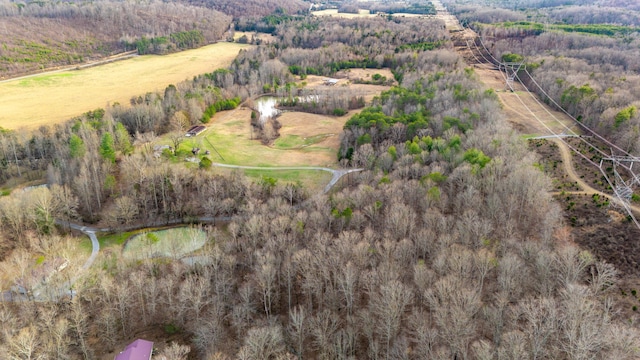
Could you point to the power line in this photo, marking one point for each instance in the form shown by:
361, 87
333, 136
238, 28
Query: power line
620, 187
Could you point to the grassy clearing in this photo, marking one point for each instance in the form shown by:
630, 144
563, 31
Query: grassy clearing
85, 245
50, 98
290, 142
118, 239
334, 12
361, 13
230, 134
311, 179
172, 243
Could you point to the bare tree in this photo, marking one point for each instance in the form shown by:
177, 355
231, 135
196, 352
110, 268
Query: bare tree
80, 326
24, 345
298, 329
603, 276
174, 351
266, 276
263, 343
347, 280
541, 326
454, 306
322, 328
390, 306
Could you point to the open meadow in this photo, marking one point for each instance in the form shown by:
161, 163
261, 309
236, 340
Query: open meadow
55, 97
231, 136
305, 139
361, 13
174, 243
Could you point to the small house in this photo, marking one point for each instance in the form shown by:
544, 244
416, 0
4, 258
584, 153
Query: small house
330, 82
195, 130
137, 350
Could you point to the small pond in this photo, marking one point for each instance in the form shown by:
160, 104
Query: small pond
267, 105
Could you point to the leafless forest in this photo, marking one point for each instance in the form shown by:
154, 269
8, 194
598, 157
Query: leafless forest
448, 246
37, 36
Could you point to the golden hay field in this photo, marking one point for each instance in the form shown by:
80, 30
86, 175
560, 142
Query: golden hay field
50, 98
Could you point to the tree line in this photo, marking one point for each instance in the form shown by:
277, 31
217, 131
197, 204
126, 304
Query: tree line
70, 32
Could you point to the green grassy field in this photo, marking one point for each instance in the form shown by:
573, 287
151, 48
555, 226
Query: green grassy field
290, 142
229, 133
117, 239
173, 243
50, 98
313, 180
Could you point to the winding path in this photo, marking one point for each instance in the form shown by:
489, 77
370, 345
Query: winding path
95, 245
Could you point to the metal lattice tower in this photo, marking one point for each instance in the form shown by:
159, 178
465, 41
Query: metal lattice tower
511, 69
622, 167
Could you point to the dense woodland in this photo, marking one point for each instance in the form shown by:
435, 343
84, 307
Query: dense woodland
588, 67
448, 245
253, 8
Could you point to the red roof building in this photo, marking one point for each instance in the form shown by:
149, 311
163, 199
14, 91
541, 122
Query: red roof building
137, 350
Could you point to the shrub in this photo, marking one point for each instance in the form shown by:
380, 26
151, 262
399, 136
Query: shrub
205, 163
339, 112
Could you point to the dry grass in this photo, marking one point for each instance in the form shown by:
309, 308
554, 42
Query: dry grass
365, 74
345, 78
230, 133
305, 139
362, 13
334, 12
536, 121
56, 97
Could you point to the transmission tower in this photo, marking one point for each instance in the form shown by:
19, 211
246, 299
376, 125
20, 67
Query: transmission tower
511, 69
622, 167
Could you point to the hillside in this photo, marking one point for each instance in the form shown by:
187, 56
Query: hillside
253, 8
40, 36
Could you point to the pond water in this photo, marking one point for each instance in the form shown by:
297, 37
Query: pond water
267, 105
